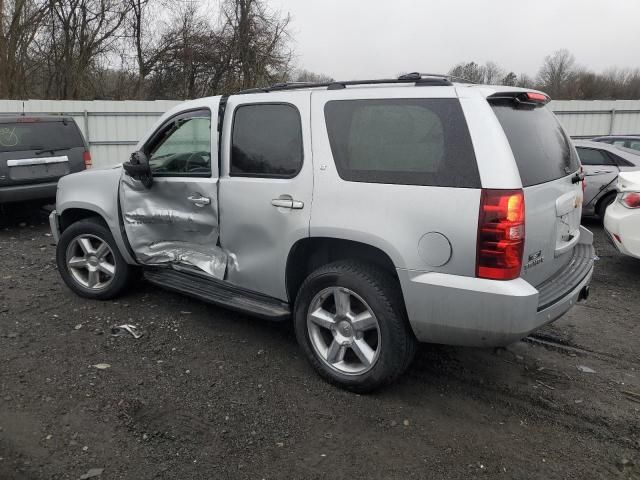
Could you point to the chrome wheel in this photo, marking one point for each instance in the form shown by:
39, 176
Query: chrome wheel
90, 262
344, 331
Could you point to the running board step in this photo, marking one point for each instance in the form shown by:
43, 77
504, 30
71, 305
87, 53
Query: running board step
219, 292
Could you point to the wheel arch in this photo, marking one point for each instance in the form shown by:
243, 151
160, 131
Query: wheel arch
606, 195
309, 254
73, 215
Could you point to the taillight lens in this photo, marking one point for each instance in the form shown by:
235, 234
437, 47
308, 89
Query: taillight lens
86, 156
500, 234
630, 199
584, 180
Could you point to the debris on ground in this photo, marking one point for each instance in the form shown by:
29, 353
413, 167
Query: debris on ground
126, 329
94, 472
102, 366
585, 369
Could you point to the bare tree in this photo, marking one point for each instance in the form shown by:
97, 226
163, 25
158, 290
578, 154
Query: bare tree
556, 73
20, 21
260, 42
493, 73
303, 75
78, 34
510, 79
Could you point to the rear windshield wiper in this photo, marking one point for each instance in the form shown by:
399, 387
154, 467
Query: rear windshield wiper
52, 150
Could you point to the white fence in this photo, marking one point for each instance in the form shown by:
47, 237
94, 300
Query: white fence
112, 128
590, 118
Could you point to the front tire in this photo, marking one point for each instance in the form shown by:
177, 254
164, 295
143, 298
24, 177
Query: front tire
351, 324
89, 261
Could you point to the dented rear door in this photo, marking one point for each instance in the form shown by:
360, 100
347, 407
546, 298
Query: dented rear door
175, 221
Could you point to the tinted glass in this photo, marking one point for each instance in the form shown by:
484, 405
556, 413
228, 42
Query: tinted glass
39, 135
266, 141
186, 148
590, 156
542, 150
402, 141
634, 145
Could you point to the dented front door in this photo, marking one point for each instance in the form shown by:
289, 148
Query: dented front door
175, 221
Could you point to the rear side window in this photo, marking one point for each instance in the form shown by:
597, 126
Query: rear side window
22, 136
266, 141
542, 150
402, 141
591, 156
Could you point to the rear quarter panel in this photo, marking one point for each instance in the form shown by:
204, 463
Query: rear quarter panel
391, 217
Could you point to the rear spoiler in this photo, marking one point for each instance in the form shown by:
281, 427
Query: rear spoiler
520, 99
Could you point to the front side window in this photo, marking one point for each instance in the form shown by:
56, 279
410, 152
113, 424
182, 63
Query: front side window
183, 147
402, 141
591, 156
266, 141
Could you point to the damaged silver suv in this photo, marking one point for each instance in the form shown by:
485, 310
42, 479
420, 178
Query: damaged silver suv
374, 214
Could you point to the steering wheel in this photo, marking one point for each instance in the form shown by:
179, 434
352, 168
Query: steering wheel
201, 156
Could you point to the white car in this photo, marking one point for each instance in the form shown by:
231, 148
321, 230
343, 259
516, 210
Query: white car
622, 218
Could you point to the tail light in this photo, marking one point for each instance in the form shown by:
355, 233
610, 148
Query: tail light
630, 199
86, 157
500, 234
584, 179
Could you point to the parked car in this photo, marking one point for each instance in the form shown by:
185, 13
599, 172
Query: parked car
622, 220
625, 141
35, 151
374, 214
602, 163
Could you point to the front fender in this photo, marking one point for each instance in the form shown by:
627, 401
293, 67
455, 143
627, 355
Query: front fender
95, 191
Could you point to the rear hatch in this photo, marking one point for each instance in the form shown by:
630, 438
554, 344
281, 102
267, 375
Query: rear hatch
550, 173
35, 150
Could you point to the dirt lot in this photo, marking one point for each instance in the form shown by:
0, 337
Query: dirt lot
210, 394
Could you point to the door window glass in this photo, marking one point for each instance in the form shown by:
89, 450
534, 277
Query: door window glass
266, 141
402, 141
590, 156
185, 149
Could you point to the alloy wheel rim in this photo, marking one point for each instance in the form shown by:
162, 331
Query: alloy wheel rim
90, 262
344, 331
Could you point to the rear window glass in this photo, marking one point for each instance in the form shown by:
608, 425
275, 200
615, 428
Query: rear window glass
542, 150
39, 135
402, 141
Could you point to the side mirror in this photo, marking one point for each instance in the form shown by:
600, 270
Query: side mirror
138, 167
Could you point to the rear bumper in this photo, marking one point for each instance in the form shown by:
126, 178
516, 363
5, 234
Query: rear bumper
457, 310
22, 193
623, 227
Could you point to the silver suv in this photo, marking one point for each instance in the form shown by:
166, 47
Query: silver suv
374, 214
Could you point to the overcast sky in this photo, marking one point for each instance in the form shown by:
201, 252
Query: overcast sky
376, 38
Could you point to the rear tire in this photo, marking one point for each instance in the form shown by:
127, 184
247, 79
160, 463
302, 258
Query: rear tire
350, 321
89, 261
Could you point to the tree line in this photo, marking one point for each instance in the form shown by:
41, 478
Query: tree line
141, 49
560, 77
157, 49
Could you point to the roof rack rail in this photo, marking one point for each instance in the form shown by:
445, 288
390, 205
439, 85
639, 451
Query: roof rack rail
420, 79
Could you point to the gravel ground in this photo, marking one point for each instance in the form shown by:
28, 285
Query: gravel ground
210, 394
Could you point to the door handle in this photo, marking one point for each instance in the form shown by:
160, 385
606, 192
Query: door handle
285, 201
198, 200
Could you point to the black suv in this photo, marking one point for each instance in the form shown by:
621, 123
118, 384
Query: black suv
35, 152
